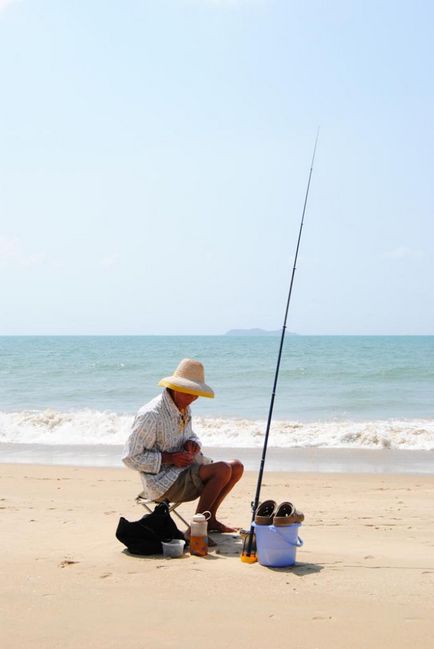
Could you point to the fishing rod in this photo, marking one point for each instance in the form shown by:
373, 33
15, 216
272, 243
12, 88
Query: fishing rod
246, 554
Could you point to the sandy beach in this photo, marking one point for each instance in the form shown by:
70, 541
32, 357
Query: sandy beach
364, 578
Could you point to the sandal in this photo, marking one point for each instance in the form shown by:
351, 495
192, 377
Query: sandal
265, 513
286, 514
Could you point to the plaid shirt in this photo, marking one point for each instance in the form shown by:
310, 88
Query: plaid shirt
159, 426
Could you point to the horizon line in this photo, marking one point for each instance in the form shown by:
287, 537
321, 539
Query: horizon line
207, 335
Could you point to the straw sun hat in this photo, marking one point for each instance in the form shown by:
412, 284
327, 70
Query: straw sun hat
189, 377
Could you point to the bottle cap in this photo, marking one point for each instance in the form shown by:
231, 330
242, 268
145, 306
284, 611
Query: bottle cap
199, 518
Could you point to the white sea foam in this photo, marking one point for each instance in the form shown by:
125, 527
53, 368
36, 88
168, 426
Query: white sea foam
97, 427
54, 427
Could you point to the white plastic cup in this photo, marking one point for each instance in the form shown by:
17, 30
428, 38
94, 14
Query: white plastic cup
173, 549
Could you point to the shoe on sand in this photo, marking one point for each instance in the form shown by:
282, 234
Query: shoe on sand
286, 514
265, 512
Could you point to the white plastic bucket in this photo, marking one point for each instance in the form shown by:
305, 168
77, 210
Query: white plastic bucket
277, 546
173, 548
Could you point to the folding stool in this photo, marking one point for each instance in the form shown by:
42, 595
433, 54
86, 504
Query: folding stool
147, 502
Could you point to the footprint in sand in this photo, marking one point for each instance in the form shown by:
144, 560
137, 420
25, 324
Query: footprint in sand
67, 562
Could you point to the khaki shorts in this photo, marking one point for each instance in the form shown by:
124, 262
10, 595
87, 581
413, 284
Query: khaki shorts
187, 486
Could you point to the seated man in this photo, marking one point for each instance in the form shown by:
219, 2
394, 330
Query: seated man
166, 452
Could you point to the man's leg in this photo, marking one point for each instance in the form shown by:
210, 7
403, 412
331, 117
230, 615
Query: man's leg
218, 478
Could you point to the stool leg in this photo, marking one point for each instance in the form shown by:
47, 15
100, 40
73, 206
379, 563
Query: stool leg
144, 504
172, 509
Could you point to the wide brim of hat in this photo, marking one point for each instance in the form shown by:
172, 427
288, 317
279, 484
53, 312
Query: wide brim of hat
187, 387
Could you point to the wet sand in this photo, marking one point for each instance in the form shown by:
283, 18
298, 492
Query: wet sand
311, 460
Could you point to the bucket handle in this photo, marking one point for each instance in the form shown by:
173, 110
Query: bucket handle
297, 544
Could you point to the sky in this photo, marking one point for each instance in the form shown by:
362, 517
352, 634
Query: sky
154, 156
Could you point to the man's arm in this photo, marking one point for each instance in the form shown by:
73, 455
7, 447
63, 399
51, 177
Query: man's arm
193, 444
140, 453
178, 458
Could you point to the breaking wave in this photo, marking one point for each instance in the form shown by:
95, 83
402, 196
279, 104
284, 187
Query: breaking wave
109, 428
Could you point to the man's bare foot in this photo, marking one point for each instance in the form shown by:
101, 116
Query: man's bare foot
216, 526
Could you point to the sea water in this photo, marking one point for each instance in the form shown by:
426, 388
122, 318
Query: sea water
358, 392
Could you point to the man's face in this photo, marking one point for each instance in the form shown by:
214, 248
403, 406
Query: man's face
183, 400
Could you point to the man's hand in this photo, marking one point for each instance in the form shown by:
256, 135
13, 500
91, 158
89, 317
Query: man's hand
191, 447
179, 458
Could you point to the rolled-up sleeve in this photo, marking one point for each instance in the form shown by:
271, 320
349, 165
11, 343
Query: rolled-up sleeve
139, 453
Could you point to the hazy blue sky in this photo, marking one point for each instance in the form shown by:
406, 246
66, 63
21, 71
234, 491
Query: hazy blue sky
154, 158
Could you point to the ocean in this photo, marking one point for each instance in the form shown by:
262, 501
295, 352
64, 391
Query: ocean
334, 392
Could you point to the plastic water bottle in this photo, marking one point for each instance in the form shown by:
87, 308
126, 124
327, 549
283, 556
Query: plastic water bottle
199, 534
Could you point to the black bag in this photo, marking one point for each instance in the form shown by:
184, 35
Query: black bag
145, 536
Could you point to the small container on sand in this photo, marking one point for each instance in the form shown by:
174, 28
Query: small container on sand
174, 548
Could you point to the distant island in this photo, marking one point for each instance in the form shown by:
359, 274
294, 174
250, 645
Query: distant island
256, 332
